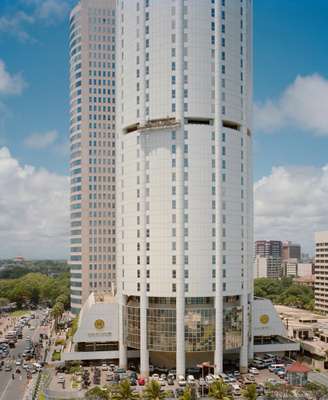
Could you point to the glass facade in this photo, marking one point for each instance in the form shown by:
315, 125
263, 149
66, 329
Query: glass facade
132, 317
232, 327
200, 329
161, 329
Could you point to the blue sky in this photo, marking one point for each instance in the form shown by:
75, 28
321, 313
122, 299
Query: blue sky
291, 132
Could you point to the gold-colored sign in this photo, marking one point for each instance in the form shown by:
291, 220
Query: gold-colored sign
264, 319
99, 323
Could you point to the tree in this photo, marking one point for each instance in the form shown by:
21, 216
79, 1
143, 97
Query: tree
57, 312
187, 394
97, 393
153, 391
318, 392
124, 391
250, 392
219, 390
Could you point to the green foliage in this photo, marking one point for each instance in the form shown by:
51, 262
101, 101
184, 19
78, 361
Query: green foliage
153, 391
250, 392
284, 291
97, 393
59, 342
72, 330
56, 356
317, 390
219, 390
36, 288
124, 391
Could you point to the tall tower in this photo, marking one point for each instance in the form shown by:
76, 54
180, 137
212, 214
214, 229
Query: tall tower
184, 181
92, 138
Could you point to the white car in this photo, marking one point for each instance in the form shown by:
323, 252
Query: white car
162, 381
18, 362
61, 379
181, 381
104, 367
190, 379
253, 371
155, 377
209, 378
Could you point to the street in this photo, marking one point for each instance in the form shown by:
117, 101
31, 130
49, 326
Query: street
14, 388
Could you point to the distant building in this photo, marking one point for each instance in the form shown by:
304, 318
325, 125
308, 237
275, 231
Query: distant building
267, 267
305, 269
308, 281
321, 271
19, 259
289, 267
291, 250
268, 256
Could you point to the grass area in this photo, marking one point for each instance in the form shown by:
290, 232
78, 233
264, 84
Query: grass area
42, 396
20, 313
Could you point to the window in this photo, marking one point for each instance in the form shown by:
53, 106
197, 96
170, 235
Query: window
174, 260
174, 287
174, 273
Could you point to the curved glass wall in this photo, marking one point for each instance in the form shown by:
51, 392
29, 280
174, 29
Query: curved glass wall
232, 327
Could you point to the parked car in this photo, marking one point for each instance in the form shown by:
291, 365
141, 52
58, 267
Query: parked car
141, 381
253, 371
181, 381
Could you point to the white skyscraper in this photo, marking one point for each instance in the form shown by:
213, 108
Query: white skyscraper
92, 138
184, 181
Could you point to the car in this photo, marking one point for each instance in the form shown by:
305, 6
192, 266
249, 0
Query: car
178, 392
61, 379
104, 367
253, 371
181, 381
190, 379
141, 381
18, 362
281, 374
209, 379
133, 382
170, 380
155, 377
162, 381
250, 377
236, 374
8, 367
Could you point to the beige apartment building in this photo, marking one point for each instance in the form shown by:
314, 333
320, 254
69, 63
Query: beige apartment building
321, 271
92, 145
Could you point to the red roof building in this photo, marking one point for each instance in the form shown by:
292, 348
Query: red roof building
297, 374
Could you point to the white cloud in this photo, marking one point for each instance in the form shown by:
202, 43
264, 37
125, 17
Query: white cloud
16, 24
34, 211
10, 84
41, 140
31, 12
291, 204
303, 105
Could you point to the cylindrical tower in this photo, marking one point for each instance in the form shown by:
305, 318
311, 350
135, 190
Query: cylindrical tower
184, 180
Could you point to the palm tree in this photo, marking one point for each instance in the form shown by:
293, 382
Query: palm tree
125, 392
97, 393
219, 391
250, 392
317, 391
187, 394
153, 391
57, 312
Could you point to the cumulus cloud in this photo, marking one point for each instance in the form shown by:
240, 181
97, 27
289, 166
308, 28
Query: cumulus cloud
41, 140
303, 104
10, 83
30, 12
34, 210
291, 204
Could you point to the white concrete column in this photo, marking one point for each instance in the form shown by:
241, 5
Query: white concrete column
243, 360
123, 357
144, 353
218, 354
180, 282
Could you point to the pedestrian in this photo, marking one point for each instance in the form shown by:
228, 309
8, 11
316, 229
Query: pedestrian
12, 376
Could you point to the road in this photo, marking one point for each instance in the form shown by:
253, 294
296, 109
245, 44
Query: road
318, 378
11, 389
